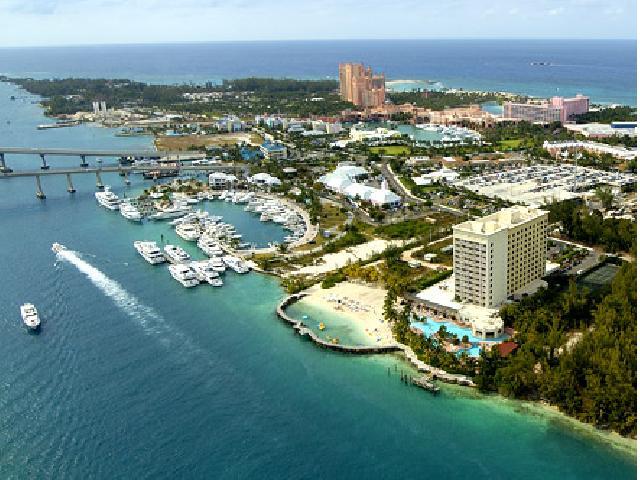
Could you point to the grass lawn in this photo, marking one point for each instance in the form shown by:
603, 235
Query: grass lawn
514, 143
391, 150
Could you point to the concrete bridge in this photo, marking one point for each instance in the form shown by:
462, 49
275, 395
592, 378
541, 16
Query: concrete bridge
174, 166
83, 154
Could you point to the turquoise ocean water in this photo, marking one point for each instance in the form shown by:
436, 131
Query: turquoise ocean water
133, 376
605, 70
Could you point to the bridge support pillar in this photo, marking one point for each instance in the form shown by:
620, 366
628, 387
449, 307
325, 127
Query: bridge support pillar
39, 193
99, 184
70, 188
83, 161
44, 162
3, 166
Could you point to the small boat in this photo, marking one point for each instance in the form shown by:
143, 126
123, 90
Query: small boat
30, 316
58, 247
322, 326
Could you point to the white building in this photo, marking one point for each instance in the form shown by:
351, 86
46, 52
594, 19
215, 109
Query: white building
357, 134
264, 179
445, 175
343, 181
499, 255
221, 180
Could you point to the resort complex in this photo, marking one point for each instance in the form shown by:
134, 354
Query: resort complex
482, 239
500, 255
360, 86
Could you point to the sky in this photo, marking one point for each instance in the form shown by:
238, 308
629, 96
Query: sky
82, 22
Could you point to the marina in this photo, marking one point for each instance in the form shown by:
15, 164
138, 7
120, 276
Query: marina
138, 360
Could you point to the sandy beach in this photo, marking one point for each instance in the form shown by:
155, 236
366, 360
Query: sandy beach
362, 304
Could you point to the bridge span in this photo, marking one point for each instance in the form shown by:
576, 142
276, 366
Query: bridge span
153, 171
83, 154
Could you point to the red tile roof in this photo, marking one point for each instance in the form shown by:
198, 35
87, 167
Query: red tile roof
505, 348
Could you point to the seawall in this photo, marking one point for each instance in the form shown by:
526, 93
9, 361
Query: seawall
421, 366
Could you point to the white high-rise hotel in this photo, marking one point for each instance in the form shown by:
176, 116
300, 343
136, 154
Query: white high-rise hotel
499, 255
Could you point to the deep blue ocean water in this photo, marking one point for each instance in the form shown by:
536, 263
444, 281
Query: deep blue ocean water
603, 69
134, 376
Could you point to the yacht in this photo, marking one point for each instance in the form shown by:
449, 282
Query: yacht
176, 254
150, 252
184, 274
108, 199
206, 273
210, 246
173, 211
188, 231
235, 264
130, 212
30, 316
217, 264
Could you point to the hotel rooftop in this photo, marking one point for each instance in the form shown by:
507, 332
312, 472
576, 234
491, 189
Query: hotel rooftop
502, 220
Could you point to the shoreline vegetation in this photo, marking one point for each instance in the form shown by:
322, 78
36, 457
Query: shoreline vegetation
590, 381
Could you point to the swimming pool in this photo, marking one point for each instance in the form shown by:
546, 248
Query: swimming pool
429, 327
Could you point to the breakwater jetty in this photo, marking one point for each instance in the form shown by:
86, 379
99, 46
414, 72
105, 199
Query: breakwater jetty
422, 367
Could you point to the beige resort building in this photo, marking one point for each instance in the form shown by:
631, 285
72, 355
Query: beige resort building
499, 255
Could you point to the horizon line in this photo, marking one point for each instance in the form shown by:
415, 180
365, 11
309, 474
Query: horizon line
376, 39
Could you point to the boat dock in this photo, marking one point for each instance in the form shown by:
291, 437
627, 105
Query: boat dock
425, 383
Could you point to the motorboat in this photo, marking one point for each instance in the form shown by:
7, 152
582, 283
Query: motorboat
58, 247
108, 199
235, 264
30, 316
150, 252
210, 246
184, 274
176, 254
188, 231
206, 273
217, 264
172, 211
130, 212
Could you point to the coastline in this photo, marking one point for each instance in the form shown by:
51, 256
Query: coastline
552, 414
361, 305
319, 298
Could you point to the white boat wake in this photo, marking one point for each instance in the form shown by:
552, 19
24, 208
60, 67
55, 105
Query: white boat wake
151, 321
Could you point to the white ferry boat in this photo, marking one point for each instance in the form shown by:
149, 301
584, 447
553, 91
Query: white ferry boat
176, 254
184, 274
235, 264
108, 199
150, 252
30, 316
130, 212
206, 273
188, 231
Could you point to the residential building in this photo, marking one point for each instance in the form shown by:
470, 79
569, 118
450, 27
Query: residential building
221, 180
273, 150
360, 86
499, 255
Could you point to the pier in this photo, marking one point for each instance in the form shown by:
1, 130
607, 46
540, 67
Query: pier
422, 367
